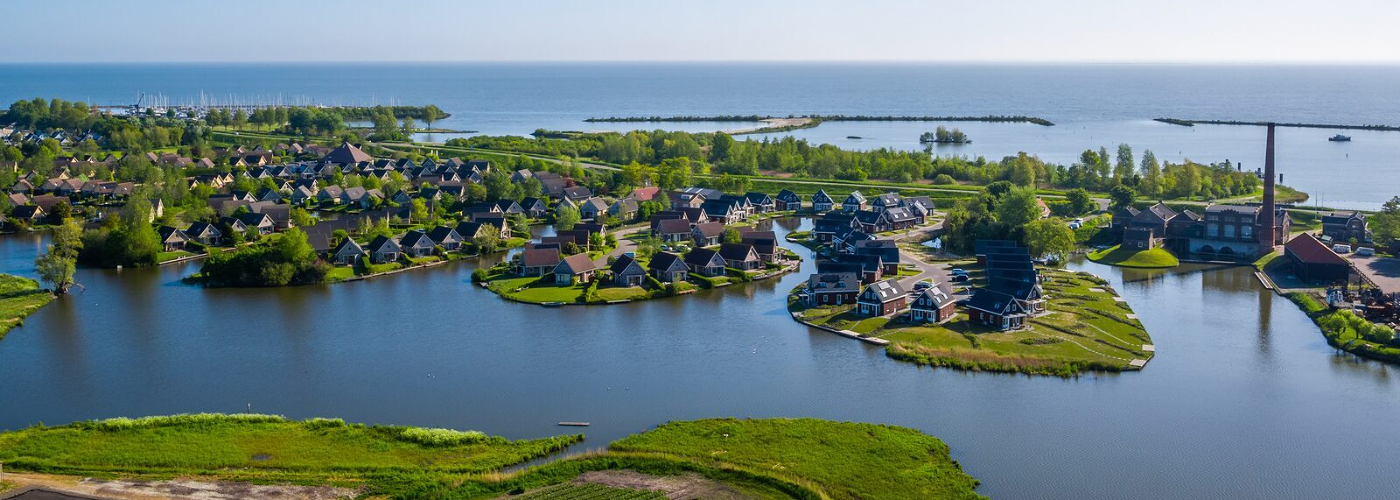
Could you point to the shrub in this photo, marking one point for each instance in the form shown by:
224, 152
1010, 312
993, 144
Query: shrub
480, 275
440, 437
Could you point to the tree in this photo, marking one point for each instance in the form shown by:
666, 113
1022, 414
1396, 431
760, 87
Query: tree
1079, 201
1122, 196
1151, 175
730, 235
487, 239
1018, 207
301, 217
58, 263
419, 212
431, 114
1050, 238
61, 212
565, 218
1386, 224
721, 147
1124, 168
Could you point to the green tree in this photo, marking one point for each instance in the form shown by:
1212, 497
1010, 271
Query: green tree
730, 235
565, 218
488, 239
1122, 196
1386, 224
1050, 238
721, 147
1124, 168
1079, 201
1018, 207
301, 217
58, 263
419, 212
1151, 175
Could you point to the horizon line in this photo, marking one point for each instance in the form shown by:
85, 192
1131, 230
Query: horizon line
1241, 62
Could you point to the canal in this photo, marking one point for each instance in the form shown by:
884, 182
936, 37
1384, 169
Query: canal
1243, 400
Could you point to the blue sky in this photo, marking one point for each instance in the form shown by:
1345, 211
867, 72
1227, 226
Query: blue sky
1286, 31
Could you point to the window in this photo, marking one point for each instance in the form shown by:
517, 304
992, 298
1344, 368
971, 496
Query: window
1229, 230
1246, 231
1212, 230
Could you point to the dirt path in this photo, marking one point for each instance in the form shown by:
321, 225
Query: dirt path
181, 489
771, 123
682, 487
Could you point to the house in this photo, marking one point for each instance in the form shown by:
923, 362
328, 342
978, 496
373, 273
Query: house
484, 207
347, 154
623, 209
204, 233
301, 195
32, 214
934, 304
724, 211
509, 207
673, 230
740, 256
538, 261
999, 310
416, 244
533, 208
495, 220
447, 238
262, 222
694, 196
1343, 227
761, 202
707, 234
854, 202
882, 298
330, 195
696, 215
832, 289
886, 201
788, 200
577, 194
229, 225
521, 175
1314, 261
364, 198
870, 267
347, 252
705, 262
590, 208
268, 194
401, 197
627, 272
830, 224
668, 267
886, 249
644, 193
383, 249
898, 218
172, 239
980, 248
870, 221
765, 243
577, 268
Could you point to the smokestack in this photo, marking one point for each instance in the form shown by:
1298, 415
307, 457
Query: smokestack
1266, 235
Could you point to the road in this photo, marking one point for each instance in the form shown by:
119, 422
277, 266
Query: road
624, 245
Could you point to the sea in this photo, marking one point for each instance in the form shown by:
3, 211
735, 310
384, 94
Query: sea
1092, 105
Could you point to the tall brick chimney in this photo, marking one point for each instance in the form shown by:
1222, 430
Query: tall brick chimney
1266, 234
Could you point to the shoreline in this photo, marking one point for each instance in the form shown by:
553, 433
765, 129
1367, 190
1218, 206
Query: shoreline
1192, 123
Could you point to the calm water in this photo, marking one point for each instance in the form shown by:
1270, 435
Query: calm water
1093, 105
1244, 399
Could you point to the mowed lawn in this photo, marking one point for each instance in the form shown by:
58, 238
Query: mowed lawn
846, 460
1152, 258
19, 297
258, 445
1084, 330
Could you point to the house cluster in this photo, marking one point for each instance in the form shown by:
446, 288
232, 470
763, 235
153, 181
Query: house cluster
1011, 291
550, 256
1220, 231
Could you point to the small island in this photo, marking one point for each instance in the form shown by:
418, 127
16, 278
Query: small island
944, 135
271, 456
1146, 258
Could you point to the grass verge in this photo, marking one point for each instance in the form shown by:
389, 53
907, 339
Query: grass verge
19, 297
1152, 258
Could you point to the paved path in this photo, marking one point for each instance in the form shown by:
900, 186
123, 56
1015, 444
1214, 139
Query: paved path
624, 245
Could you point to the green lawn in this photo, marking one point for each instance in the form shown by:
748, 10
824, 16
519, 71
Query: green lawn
1084, 331
164, 257
846, 460
19, 297
533, 289
340, 273
1153, 258
623, 293
259, 447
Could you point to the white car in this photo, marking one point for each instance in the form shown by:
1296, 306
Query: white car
1341, 248
1366, 252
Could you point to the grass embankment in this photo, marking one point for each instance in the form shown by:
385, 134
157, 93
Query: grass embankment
260, 448
1346, 331
1083, 331
773, 459
1152, 258
19, 297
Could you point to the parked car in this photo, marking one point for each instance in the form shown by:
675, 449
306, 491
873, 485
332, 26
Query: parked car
922, 285
1340, 248
1366, 252
959, 278
958, 271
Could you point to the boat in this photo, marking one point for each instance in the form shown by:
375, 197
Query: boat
1339, 138
854, 137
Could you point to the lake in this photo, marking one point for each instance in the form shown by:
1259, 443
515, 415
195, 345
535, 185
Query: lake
1243, 400
1093, 105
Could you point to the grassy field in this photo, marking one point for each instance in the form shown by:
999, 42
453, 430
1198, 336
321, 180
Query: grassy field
844, 460
1083, 331
19, 297
1152, 258
260, 447
1347, 331
775, 459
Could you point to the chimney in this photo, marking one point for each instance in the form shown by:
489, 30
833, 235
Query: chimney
1266, 235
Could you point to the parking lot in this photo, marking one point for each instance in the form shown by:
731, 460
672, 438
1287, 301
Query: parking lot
1383, 271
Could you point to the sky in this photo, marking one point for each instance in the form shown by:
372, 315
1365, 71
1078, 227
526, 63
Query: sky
1208, 31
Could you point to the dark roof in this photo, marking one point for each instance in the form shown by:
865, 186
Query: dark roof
991, 301
841, 282
1309, 250
886, 249
788, 196
821, 197
382, 243
736, 251
440, 233
939, 294
662, 261
887, 290
673, 226
412, 238
701, 257
347, 154
981, 247
622, 263
710, 229
347, 243
468, 229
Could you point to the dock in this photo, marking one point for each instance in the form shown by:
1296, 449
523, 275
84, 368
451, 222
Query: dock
574, 424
